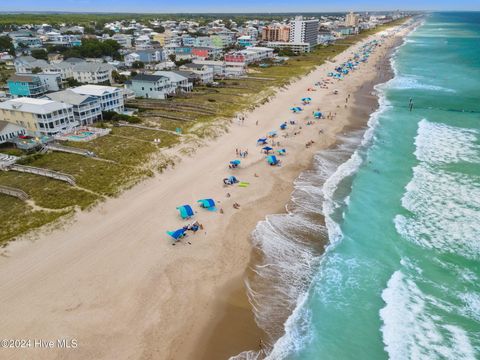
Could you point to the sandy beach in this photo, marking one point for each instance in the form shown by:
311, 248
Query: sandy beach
111, 279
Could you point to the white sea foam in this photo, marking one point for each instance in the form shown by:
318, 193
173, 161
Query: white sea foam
439, 143
445, 211
414, 82
410, 332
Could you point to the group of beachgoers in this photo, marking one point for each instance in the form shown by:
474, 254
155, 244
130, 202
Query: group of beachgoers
270, 145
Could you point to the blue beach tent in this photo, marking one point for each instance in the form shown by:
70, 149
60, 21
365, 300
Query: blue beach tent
177, 234
317, 114
208, 204
235, 162
272, 160
232, 179
262, 141
186, 211
283, 126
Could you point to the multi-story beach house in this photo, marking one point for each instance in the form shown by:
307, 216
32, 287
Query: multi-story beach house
39, 116
93, 73
26, 85
111, 98
150, 86
86, 108
179, 82
33, 85
304, 31
224, 69
203, 73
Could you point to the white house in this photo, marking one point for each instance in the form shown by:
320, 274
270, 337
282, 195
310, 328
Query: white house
203, 73
129, 59
111, 98
179, 83
224, 68
93, 73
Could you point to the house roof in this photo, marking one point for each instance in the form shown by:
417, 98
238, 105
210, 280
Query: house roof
36, 106
74, 60
173, 76
69, 97
148, 78
95, 90
193, 66
92, 67
22, 78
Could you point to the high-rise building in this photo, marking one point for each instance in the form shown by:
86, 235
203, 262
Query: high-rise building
276, 32
304, 31
351, 19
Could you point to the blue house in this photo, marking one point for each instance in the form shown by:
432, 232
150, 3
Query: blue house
26, 85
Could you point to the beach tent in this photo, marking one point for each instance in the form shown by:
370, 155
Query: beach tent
272, 160
306, 100
262, 141
186, 211
317, 115
177, 234
267, 149
283, 126
234, 163
272, 133
281, 151
208, 204
296, 109
232, 179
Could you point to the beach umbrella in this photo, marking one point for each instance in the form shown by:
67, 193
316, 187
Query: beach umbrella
208, 204
176, 234
185, 211
262, 141
283, 126
235, 162
267, 149
317, 114
272, 160
306, 99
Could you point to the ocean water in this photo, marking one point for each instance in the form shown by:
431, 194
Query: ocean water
400, 277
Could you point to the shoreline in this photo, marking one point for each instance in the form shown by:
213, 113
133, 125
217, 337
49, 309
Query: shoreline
113, 273
219, 344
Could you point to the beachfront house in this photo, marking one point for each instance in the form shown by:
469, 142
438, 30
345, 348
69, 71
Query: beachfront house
179, 82
39, 116
86, 108
224, 69
93, 73
9, 131
203, 73
150, 86
111, 98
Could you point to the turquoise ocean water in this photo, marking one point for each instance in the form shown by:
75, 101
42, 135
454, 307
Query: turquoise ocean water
401, 275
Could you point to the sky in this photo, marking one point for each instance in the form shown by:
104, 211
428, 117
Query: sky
205, 6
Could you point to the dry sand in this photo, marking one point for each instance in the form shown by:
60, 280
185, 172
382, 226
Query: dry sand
112, 280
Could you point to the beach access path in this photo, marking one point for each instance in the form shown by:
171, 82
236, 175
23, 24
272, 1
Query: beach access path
111, 279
